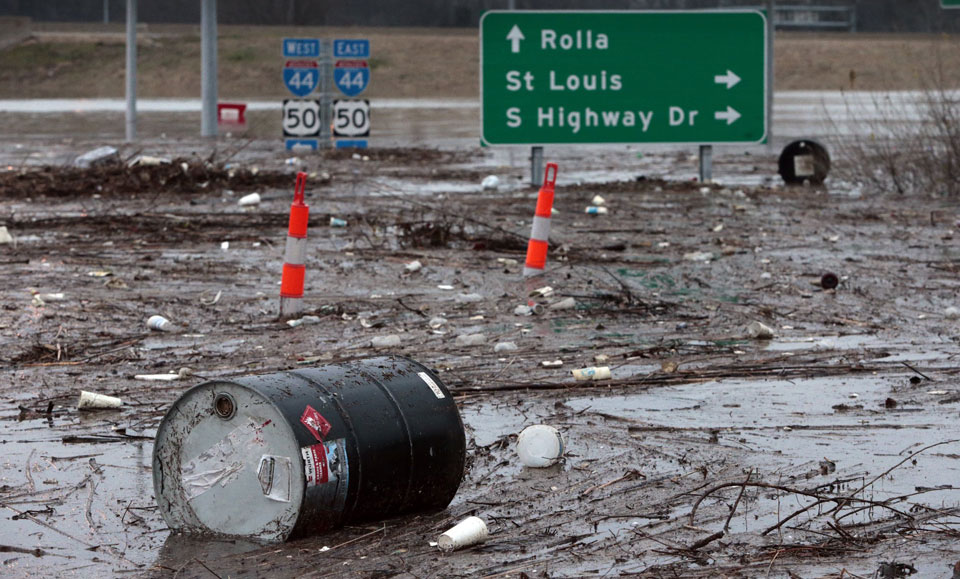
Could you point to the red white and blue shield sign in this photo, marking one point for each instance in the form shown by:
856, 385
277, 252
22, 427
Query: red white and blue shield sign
351, 76
301, 76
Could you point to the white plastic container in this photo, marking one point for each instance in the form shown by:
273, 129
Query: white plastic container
540, 446
592, 373
469, 531
160, 323
94, 401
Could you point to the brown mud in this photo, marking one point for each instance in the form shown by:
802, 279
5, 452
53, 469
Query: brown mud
830, 450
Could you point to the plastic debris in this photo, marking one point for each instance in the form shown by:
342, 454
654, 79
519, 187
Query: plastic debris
507, 261
94, 401
551, 363
391, 341
592, 210
98, 155
445, 287
470, 531
99, 273
504, 347
160, 323
292, 161
224, 245
540, 446
470, 339
337, 222
5, 236
251, 199
158, 377
304, 321
698, 256
601, 358
564, 304
593, 373
759, 331
545, 292
951, 312
468, 298
413, 266
490, 182
598, 201
148, 161
436, 322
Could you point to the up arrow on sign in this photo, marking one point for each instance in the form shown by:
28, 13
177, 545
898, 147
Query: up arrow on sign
515, 37
730, 79
730, 115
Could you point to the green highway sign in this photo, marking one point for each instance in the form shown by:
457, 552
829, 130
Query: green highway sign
623, 77
950, 3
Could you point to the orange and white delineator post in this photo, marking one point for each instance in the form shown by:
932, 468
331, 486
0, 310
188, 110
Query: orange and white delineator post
540, 235
295, 254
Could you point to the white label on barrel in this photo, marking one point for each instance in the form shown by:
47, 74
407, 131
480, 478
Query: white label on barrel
221, 463
429, 382
803, 166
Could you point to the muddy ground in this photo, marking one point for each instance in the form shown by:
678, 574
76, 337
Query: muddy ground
831, 450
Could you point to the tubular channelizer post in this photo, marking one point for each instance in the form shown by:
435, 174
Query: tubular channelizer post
294, 256
540, 234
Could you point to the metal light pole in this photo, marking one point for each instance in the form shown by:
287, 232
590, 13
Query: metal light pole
131, 70
208, 54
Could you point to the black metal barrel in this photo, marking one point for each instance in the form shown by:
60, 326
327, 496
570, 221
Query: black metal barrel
296, 453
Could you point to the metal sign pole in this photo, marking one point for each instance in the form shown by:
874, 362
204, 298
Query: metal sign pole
106, 11
131, 116
208, 55
771, 28
536, 165
706, 163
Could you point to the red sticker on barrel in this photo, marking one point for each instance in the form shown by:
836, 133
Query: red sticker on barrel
315, 464
315, 423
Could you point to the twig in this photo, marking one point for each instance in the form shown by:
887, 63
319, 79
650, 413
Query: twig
202, 564
726, 525
916, 371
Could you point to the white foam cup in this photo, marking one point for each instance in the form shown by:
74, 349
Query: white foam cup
93, 401
469, 531
540, 446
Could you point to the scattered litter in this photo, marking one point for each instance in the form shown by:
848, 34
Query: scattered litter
94, 401
160, 323
705, 190
99, 273
148, 161
470, 339
116, 283
42, 299
759, 331
5, 236
829, 281
490, 182
545, 291
591, 210
601, 358
766, 275
937, 392
505, 347
251, 199
436, 322
225, 245
507, 261
445, 287
475, 318
324, 549
469, 531
304, 321
212, 302
356, 156
413, 266
592, 373
337, 222
523, 310
158, 377
564, 304
551, 364
540, 446
698, 256
854, 395
951, 312
669, 367
598, 201
98, 155
663, 244
718, 228
391, 341
291, 161
468, 298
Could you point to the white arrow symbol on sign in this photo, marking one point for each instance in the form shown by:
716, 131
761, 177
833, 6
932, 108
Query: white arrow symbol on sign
515, 37
730, 115
730, 79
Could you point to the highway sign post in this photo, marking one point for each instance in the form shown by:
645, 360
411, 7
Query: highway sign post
623, 77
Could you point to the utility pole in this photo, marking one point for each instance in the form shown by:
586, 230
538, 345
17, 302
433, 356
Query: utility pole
131, 116
208, 71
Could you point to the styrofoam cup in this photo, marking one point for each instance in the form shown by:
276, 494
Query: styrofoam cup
93, 401
540, 446
159, 323
469, 531
251, 199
